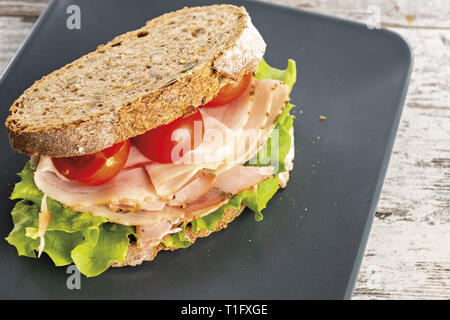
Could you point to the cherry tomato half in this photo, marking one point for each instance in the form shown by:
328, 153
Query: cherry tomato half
94, 169
158, 144
230, 92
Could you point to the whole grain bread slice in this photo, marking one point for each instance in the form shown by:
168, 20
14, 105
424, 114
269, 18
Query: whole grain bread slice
137, 81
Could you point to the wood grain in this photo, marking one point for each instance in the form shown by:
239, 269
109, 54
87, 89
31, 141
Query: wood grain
408, 253
24, 8
431, 14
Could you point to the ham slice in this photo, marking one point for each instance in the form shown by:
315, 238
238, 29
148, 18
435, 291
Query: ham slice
136, 159
233, 181
151, 233
206, 204
225, 186
236, 113
240, 178
169, 178
193, 190
133, 185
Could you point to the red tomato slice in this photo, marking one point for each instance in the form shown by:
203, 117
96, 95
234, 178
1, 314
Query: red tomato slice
230, 92
94, 169
161, 144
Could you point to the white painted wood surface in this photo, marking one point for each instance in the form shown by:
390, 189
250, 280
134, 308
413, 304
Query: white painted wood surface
408, 253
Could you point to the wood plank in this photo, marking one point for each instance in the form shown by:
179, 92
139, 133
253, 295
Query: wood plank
22, 8
13, 30
430, 14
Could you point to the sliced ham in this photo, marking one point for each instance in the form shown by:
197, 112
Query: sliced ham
240, 178
149, 233
201, 184
136, 159
212, 200
133, 185
208, 203
223, 189
124, 205
169, 178
150, 193
234, 133
262, 105
236, 113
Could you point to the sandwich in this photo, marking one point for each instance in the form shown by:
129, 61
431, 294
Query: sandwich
159, 137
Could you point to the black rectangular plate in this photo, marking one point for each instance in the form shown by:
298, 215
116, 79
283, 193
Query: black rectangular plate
312, 239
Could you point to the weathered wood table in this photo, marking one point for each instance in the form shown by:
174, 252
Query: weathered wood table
408, 253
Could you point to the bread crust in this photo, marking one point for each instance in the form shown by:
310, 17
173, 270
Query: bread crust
166, 101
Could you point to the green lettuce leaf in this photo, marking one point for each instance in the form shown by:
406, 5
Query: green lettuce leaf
59, 246
89, 241
24, 215
110, 243
288, 75
26, 188
177, 240
254, 200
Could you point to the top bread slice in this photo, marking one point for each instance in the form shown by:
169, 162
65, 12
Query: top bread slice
137, 81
